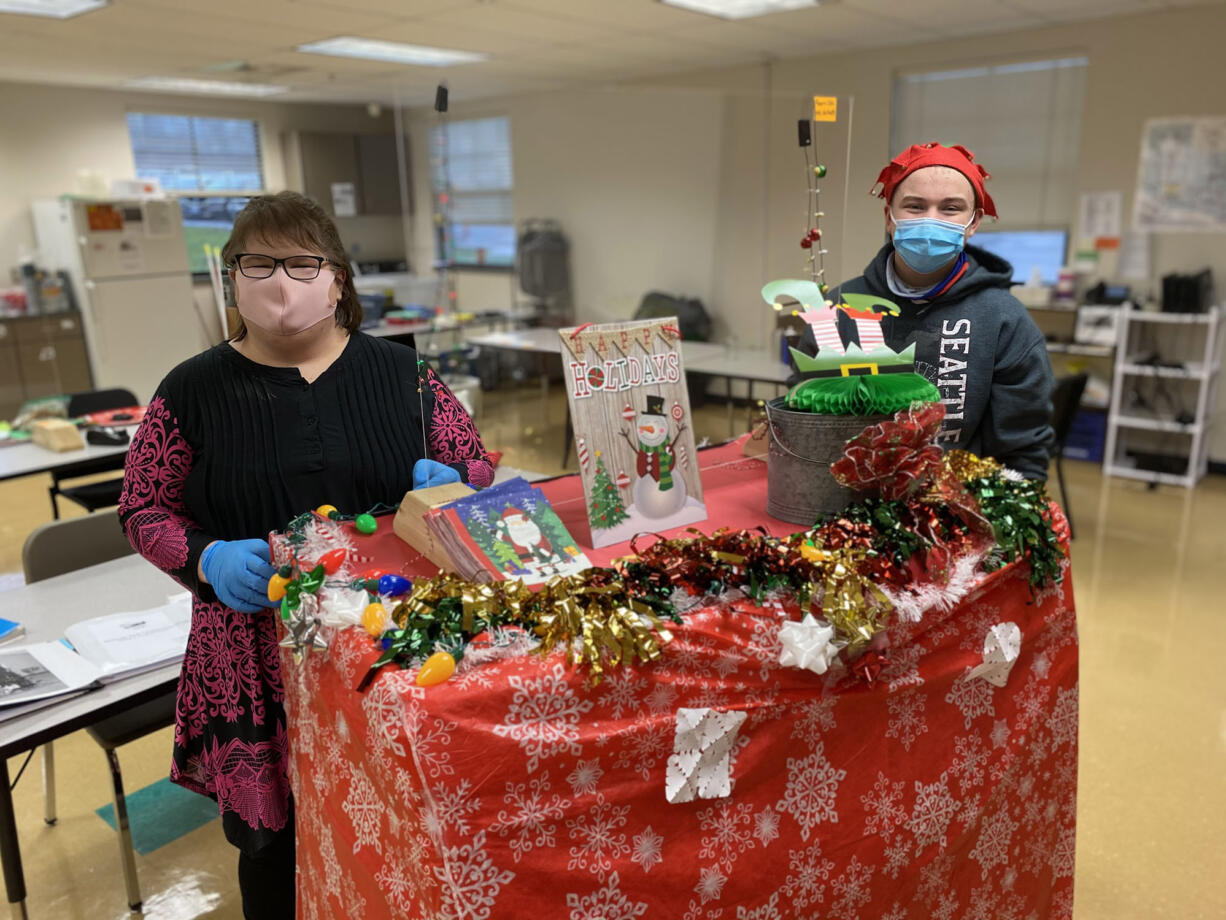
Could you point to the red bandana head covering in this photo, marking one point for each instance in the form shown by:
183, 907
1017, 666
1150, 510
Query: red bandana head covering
919, 156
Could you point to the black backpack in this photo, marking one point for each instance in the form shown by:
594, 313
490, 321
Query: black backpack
692, 317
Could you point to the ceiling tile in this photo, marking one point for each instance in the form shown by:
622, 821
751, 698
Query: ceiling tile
509, 20
441, 35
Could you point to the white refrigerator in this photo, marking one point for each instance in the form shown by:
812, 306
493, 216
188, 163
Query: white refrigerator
128, 263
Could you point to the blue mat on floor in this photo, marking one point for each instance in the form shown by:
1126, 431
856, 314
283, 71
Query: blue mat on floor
161, 813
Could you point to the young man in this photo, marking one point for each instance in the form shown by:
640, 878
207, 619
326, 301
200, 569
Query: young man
973, 339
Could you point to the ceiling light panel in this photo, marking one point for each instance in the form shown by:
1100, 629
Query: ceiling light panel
740, 9
371, 49
206, 87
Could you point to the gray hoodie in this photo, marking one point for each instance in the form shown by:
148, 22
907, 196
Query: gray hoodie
980, 347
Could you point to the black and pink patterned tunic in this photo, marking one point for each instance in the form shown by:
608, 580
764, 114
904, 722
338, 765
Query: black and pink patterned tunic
231, 449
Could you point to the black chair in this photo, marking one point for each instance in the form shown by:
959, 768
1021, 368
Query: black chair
92, 495
1065, 400
65, 546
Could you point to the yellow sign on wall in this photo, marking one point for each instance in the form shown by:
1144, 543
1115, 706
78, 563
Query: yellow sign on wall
825, 108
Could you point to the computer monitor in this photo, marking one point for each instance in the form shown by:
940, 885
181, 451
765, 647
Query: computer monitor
1027, 250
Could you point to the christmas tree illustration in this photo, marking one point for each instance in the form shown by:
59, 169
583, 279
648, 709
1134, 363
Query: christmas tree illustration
605, 508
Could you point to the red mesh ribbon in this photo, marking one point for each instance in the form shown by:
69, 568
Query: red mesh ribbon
896, 458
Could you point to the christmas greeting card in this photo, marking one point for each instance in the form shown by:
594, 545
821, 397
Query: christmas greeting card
631, 414
507, 531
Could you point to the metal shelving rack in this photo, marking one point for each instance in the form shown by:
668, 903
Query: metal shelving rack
1205, 372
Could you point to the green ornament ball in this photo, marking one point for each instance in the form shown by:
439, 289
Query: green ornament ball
365, 523
820, 169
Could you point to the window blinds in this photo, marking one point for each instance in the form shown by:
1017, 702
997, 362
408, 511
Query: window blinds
196, 154
1022, 119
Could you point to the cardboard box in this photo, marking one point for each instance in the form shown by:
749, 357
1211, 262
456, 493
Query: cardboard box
57, 435
410, 524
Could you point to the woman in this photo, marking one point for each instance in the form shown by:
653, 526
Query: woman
299, 409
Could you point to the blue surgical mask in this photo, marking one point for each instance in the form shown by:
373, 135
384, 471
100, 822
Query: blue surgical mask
926, 243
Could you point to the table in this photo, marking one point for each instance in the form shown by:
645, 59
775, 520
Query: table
28, 458
518, 790
750, 365
46, 609
438, 335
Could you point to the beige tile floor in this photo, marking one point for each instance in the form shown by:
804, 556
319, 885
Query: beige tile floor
1153, 709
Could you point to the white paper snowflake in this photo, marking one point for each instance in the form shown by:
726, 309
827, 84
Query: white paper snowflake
1001, 647
699, 766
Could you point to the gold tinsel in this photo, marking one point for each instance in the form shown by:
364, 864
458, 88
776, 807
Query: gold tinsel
965, 466
497, 601
596, 623
847, 600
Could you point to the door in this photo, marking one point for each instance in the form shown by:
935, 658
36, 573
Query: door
140, 328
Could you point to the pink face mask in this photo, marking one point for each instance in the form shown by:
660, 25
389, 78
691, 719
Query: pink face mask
283, 306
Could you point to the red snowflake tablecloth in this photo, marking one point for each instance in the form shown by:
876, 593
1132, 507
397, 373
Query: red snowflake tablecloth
516, 790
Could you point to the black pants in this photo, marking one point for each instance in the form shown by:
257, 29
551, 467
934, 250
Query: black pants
266, 878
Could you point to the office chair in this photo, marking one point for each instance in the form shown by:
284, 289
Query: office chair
1065, 400
65, 546
93, 495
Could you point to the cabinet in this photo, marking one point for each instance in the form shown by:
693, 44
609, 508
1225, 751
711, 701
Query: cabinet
41, 356
1162, 395
366, 161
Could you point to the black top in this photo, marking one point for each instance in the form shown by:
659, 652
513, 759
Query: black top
231, 449
267, 446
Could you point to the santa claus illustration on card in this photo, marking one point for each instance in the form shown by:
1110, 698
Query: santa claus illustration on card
517, 530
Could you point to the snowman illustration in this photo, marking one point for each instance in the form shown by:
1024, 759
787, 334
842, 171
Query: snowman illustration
657, 492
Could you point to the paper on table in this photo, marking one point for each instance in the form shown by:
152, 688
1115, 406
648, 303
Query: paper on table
45, 669
700, 765
1001, 646
124, 643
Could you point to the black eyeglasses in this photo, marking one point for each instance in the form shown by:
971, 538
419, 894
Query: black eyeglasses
300, 268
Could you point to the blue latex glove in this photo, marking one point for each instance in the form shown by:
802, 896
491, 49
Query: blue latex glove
239, 571
427, 473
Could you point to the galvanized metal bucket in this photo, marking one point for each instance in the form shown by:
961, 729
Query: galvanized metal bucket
799, 487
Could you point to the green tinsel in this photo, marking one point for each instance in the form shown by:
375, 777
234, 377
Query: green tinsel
890, 520
1020, 518
861, 394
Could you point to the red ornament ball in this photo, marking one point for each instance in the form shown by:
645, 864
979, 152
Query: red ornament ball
806, 243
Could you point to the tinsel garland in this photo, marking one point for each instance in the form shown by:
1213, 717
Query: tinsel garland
1021, 521
921, 512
